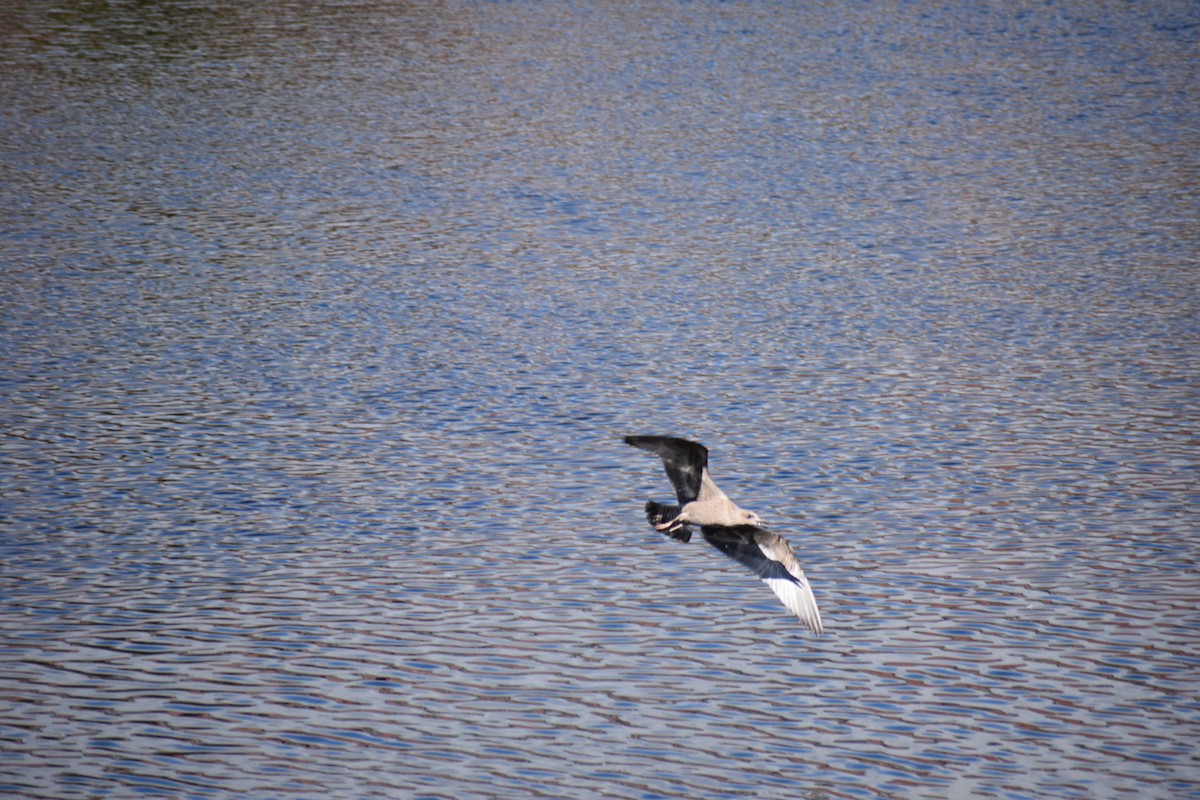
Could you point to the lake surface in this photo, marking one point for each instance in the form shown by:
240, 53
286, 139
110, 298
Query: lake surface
321, 324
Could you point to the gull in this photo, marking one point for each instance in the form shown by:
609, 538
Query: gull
736, 532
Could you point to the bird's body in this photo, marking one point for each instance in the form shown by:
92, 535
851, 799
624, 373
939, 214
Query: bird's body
737, 533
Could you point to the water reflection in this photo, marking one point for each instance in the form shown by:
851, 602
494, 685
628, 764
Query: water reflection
322, 324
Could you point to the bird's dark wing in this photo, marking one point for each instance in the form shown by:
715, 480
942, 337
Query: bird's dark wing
771, 558
684, 461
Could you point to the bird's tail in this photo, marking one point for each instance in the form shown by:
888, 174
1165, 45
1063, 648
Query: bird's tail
657, 514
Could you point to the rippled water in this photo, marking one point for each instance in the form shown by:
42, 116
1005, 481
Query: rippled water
322, 322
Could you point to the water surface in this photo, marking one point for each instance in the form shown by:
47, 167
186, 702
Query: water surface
322, 323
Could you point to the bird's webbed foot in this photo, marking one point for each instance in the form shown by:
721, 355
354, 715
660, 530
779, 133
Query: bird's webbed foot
681, 534
679, 531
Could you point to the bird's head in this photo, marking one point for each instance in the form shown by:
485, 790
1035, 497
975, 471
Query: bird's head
750, 518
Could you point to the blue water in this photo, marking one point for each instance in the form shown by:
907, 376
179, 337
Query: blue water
321, 325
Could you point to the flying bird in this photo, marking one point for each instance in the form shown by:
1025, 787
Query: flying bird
737, 533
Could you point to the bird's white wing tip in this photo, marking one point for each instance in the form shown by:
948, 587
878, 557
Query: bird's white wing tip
798, 597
